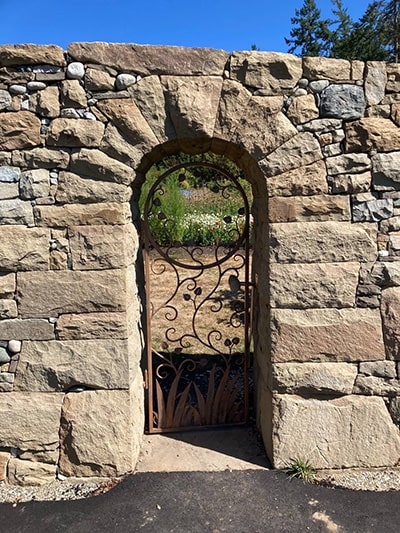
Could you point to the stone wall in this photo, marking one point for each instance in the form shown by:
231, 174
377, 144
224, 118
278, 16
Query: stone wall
319, 140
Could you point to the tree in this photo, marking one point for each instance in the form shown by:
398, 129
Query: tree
310, 34
390, 19
340, 37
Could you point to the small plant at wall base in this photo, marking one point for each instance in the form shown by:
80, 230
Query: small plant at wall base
300, 469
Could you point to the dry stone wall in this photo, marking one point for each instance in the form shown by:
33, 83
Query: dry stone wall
319, 140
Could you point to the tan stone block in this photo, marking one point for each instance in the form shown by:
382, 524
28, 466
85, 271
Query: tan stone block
82, 214
313, 285
320, 242
350, 183
375, 82
98, 80
4, 458
145, 59
16, 212
7, 285
234, 100
103, 247
74, 132
326, 335
8, 309
96, 164
115, 145
30, 420
72, 189
272, 71
390, 309
93, 326
313, 378
73, 94
301, 150
315, 68
303, 109
54, 366
313, 208
19, 130
97, 434
28, 329
303, 181
8, 191
29, 473
24, 248
192, 104
56, 292
126, 116
334, 433
41, 158
46, 103
31, 54
372, 134
377, 386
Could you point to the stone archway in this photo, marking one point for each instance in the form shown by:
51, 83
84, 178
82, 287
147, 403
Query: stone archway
313, 137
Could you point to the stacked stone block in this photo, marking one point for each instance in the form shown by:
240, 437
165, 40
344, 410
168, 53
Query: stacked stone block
319, 141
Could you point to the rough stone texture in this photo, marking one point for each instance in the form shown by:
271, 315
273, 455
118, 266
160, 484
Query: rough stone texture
316, 68
103, 417
386, 170
54, 366
24, 248
50, 294
314, 378
92, 326
313, 285
34, 184
375, 82
81, 214
4, 458
116, 145
73, 94
372, 210
304, 181
19, 130
299, 151
75, 133
303, 208
272, 71
376, 386
16, 211
96, 164
145, 60
350, 183
42, 158
320, 242
334, 433
372, 134
390, 308
102, 247
98, 80
234, 100
8, 309
381, 369
7, 285
30, 473
34, 423
46, 102
326, 335
73, 189
28, 329
303, 109
352, 163
31, 54
192, 104
343, 101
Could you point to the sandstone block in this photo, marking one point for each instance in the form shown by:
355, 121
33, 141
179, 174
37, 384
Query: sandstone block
146, 60
28, 329
313, 285
313, 378
116, 145
24, 248
34, 184
192, 103
350, 183
369, 134
79, 215
348, 163
301, 150
56, 292
8, 191
234, 100
334, 433
75, 133
375, 82
320, 242
102, 247
316, 68
73, 94
326, 335
390, 309
29, 473
7, 285
92, 326
303, 109
376, 386
4, 458
46, 102
304, 181
54, 366
103, 418
385, 170
16, 211
31, 54
272, 71
96, 164
381, 369
41, 158
19, 130
72, 189
8, 309
34, 423
313, 208
98, 80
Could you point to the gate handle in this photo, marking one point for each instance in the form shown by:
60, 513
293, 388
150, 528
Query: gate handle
235, 284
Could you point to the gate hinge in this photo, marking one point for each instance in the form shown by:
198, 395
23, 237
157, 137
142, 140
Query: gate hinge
146, 380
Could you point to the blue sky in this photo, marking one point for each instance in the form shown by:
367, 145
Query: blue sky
229, 25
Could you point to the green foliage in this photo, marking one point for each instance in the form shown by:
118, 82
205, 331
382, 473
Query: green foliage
300, 469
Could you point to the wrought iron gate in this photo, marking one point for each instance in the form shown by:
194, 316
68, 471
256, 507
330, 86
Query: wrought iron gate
198, 319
